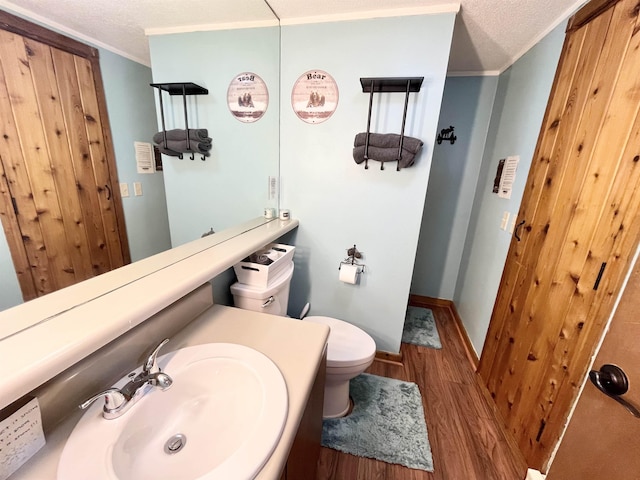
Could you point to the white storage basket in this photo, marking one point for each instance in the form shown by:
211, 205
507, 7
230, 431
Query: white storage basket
256, 274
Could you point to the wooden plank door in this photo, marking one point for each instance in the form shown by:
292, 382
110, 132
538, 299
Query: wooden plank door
59, 201
580, 211
603, 439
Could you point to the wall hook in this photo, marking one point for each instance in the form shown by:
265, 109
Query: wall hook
192, 157
447, 134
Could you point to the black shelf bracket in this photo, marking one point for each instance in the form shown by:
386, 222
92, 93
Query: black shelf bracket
184, 89
373, 85
391, 84
181, 88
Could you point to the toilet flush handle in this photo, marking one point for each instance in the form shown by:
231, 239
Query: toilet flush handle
269, 301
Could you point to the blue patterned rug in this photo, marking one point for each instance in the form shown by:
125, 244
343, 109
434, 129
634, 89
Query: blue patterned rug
420, 328
387, 423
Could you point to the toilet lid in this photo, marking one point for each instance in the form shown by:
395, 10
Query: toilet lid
347, 345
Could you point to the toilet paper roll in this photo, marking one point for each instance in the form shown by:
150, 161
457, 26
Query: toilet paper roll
349, 273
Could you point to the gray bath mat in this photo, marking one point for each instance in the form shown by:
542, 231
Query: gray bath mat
387, 423
420, 328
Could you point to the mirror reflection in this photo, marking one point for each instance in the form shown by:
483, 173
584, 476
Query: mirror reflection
178, 202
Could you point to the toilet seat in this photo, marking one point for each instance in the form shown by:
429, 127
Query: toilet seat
348, 345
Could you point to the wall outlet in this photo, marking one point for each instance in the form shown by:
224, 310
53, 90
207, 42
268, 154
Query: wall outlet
505, 220
512, 227
137, 189
124, 190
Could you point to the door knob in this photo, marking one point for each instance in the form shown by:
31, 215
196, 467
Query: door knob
613, 382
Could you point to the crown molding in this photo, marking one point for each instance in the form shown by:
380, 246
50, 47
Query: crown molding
453, 7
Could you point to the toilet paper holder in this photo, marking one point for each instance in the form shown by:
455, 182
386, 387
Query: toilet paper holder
353, 253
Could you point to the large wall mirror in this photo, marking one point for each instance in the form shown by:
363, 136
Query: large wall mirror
231, 185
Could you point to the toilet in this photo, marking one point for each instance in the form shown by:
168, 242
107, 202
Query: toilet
350, 350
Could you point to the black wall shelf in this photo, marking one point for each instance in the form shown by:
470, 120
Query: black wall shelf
373, 85
181, 88
391, 84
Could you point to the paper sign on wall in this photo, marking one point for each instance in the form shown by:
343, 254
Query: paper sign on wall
145, 159
506, 175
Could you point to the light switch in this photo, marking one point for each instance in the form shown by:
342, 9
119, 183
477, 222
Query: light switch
273, 188
505, 220
124, 190
137, 189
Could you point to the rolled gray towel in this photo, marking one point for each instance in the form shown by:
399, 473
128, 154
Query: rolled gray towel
388, 140
181, 146
197, 134
260, 259
384, 155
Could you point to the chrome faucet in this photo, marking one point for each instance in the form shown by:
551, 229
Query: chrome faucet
118, 401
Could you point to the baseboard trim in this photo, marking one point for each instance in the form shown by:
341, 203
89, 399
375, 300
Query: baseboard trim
422, 301
426, 302
388, 357
468, 346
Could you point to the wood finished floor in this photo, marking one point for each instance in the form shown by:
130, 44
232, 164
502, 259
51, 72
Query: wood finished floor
466, 440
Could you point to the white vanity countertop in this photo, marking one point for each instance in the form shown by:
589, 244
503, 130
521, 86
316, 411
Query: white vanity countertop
295, 346
37, 354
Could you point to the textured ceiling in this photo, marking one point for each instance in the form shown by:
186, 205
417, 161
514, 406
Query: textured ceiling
489, 35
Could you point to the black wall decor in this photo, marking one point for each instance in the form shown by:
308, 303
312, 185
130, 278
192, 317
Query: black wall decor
447, 134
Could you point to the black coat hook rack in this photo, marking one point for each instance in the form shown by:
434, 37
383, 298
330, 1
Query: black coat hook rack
184, 89
447, 134
388, 84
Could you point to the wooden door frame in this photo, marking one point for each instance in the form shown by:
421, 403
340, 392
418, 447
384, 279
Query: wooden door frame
587, 13
25, 28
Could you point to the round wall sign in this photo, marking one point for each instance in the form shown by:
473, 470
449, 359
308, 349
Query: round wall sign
314, 96
247, 97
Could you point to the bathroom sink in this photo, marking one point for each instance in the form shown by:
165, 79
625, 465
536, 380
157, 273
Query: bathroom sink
221, 419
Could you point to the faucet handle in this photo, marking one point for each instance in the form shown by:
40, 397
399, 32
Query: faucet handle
151, 360
113, 399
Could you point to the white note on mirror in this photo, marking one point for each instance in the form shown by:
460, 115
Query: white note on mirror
349, 273
21, 437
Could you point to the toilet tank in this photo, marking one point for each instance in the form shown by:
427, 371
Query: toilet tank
273, 299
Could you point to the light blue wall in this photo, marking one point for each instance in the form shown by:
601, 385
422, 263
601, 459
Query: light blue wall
133, 118
340, 203
10, 294
231, 185
466, 104
521, 99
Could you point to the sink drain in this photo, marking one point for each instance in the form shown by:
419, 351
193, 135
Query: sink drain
175, 444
